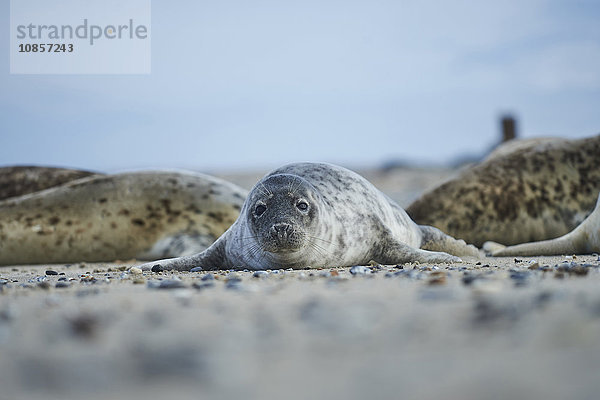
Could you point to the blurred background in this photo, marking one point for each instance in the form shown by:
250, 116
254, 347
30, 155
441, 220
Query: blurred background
254, 84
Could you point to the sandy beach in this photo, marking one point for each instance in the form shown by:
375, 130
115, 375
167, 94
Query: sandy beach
494, 328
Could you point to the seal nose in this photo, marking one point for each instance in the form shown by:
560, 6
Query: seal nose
282, 230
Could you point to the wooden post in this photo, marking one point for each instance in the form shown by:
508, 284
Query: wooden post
509, 128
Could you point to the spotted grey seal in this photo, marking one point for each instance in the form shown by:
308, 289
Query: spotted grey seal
584, 239
320, 215
524, 191
143, 215
24, 179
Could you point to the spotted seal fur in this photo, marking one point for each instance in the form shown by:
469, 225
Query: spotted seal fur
143, 215
24, 179
584, 239
524, 191
320, 215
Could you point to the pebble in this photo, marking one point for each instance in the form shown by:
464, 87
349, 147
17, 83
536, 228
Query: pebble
533, 264
196, 269
208, 277
166, 284
51, 272
233, 283
468, 278
157, 268
520, 277
260, 274
62, 284
135, 271
203, 285
360, 270
574, 268
233, 276
437, 278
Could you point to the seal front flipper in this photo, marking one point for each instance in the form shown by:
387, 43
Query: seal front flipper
400, 253
210, 259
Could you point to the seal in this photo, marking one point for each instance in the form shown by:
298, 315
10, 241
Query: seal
320, 215
584, 239
525, 191
143, 215
19, 180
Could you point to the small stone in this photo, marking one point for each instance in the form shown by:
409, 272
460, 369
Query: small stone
62, 279
84, 325
157, 268
234, 284
334, 273
260, 274
196, 269
233, 276
62, 285
51, 272
203, 285
574, 268
44, 285
437, 278
208, 277
166, 284
135, 271
520, 277
360, 270
533, 264
138, 281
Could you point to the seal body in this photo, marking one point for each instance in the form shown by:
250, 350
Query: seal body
144, 215
584, 239
524, 191
320, 215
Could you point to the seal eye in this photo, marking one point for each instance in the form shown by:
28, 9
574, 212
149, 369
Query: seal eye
302, 205
260, 210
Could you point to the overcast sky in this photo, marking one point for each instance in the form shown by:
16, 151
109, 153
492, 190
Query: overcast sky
256, 84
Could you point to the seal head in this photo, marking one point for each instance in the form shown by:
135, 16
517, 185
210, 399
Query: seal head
281, 212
